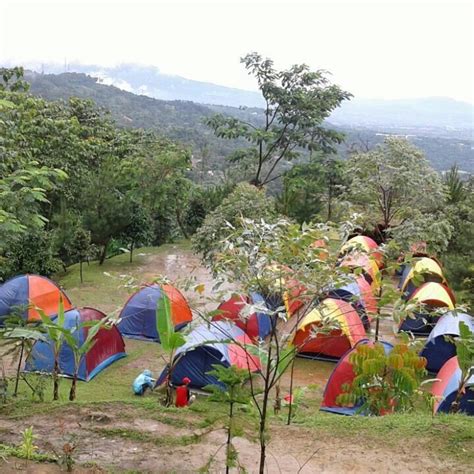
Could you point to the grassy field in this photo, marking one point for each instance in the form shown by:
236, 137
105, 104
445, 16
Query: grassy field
113, 430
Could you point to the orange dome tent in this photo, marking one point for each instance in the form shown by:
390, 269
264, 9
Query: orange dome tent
332, 345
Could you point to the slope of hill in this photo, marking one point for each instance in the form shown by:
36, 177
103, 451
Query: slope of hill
183, 120
433, 115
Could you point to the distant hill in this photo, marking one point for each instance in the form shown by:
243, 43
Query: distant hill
149, 81
434, 115
183, 121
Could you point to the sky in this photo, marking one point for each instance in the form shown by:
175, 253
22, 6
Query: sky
374, 49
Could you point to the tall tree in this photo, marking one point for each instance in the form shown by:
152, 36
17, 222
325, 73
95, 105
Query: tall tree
297, 101
395, 189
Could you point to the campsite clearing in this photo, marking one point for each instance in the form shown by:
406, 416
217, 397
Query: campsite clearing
113, 430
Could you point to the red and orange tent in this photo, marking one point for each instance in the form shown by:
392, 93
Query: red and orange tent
26, 293
348, 330
366, 244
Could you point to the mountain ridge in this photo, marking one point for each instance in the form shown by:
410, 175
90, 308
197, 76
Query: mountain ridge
183, 121
429, 113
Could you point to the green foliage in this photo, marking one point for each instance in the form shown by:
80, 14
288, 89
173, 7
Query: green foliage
80, 349
117, 179
169, 338
246, 201
27, 448
297, 103
465, 354
31, 252
56, 331
138, 231
456, 191
396, 190
234, 393
310, 190
384, 383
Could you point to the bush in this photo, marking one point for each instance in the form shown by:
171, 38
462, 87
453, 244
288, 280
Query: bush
245, 201
31, 253
384, 383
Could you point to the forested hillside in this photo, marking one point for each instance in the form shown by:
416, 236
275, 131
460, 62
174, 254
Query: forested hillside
183, 121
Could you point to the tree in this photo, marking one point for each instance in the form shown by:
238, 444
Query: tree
138, 229
270, 258
31, 252
384, 383
80, 349
55, 331
235, 393
297, 101
245, 201
393, 186
169, 338
310, 188
80, 247
456, 189
18, 336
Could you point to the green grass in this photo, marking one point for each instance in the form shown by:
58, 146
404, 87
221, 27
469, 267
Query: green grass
104, 285
144, 437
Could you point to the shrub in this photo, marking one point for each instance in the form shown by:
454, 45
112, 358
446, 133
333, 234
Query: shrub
245, 201
383, 382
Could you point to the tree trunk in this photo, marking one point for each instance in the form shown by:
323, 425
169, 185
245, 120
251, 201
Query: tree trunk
56, 379
263, 444
181, 226
19, 367
330, 202
457, 401
131, 252
277, 405
290, 407
104, 252
229, 437
72, 392
80, 271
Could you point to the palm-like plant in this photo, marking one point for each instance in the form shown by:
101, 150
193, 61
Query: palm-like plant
55, 331
170, 339
80, 350
18, 336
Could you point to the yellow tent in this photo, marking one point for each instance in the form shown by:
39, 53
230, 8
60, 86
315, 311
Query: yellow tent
422, 266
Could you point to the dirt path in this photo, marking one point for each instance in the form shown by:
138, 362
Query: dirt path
102, 438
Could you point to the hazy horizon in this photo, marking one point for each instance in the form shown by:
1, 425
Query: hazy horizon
375, 50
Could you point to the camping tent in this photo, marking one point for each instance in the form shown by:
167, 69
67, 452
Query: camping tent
137, 319
257, 325
365, 243
369, 268
438, 348
207, 345
433, 295
334, 344
343, 374
367, 296
425, 269
108, 348
352, 293
34, 290
445, 389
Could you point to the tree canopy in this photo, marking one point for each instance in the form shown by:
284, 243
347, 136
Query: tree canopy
297, 103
